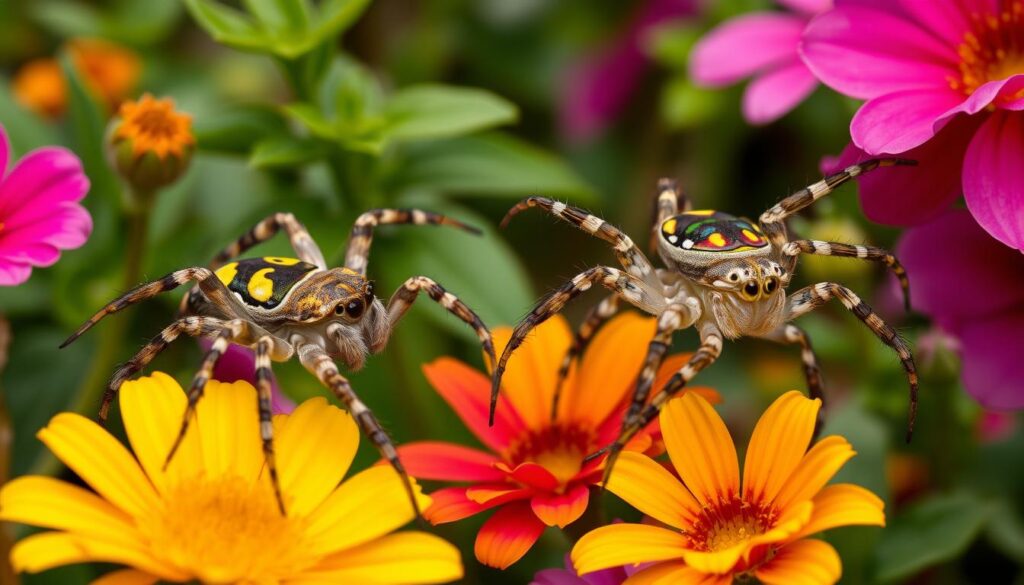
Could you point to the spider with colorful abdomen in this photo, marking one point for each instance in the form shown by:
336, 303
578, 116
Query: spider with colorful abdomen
282, 307
725, 276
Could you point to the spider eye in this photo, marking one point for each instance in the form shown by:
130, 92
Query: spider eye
354, 308
369, 292
750, 290
771, 285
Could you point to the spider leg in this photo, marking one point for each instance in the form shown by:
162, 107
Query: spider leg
668, 204
317, 362
406, 295
211, 286
709, 350
818, 247
629, 255
596, 317
263, 386
303, 244
629, 287
811, 297
773, 220
357, 252
791, 334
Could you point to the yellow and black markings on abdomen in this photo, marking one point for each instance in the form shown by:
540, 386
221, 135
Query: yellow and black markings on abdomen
263, 282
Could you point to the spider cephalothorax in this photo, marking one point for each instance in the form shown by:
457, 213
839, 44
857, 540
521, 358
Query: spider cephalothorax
726, 276
290, 306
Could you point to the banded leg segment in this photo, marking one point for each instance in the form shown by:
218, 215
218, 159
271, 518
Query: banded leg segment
672, 320
791, 334
264, 375
820, 248
630, 288
316, 361
669, 203
630, 257
772, 221
208, 282
598, 316
407, 293
303, 244
809, 298
357, 252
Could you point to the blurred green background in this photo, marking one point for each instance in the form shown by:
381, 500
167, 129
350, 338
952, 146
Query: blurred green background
463, 107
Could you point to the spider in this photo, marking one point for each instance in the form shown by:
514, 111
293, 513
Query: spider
726, 277
291, 306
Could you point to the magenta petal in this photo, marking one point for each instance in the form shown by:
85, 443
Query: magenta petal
1004, 93
12, 273
808, 7
949, 20
865, 52
773, 94
992, 364
35, 173
557, 577
993, 177
66, 225
744, 46
900, 121
946, 281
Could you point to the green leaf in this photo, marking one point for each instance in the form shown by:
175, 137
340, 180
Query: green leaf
486, 165
936, 530
68, 19
1006, 530
234, 131
228, 26
283, 18
284, 151
439, 111
127, 21
336, 16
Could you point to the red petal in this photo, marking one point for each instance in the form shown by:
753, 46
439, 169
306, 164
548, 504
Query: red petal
507, 535
561, 509
451, 504
493, 495
447, 462
535, 476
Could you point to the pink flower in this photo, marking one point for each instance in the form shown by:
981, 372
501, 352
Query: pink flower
568, 576
762, 45
39, 210
239, 363
973, 289
944, 84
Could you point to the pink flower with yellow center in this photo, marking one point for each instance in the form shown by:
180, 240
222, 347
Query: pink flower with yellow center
944, 84
717, 529
534, 473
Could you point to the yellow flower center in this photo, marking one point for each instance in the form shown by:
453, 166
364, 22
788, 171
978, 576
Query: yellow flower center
154, 126
730, 523
992, 50
559, 448
227, 529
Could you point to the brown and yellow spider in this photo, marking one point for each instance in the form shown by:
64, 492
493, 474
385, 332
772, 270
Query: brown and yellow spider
726, 277
287, 306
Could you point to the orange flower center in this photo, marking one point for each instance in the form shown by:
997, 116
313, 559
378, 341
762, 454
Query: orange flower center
992, 50
154, 126
560, 448
731, 523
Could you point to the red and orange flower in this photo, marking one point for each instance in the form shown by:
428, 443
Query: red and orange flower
534, 473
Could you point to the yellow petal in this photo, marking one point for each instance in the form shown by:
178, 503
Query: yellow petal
621, 544
151, 408
228, 424
529, 380
777, 445
40, 552
805, 562
368, 505
101, 462
816, 468
652, 489
701, 449
126, 577
844, 504
314, 446
608, 371
50, 503
403, 557
676, 574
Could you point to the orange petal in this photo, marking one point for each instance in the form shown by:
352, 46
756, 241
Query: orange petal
676, 573
507, 535
805, 562
777, 445
701, 449
451, 504
818, 466
529, 380
626, 544
126, 577
561, 509
468, 392
844, 504
652, 489
494, 494
448, 462
608, 370
403, 558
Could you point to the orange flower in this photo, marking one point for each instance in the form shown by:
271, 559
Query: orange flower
534, 473
110, 69
151, 143
718, 530
39, 86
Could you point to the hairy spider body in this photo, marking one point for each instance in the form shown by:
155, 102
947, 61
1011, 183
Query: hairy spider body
283, 307
726, 277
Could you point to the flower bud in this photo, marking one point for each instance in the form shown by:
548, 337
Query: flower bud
149, 143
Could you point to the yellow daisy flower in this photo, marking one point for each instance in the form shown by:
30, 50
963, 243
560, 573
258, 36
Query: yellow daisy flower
718, 530
212, 515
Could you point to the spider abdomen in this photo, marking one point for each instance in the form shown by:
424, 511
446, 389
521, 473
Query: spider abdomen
264, 282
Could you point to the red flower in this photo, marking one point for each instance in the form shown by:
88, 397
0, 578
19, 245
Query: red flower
534, 473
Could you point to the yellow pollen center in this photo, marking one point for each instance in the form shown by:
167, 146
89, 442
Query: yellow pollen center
732, 532
992, 50
227, 529
154, 126
729, 523
559, 448
564, 463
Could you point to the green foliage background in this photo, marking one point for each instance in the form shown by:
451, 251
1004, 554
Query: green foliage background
327, 109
